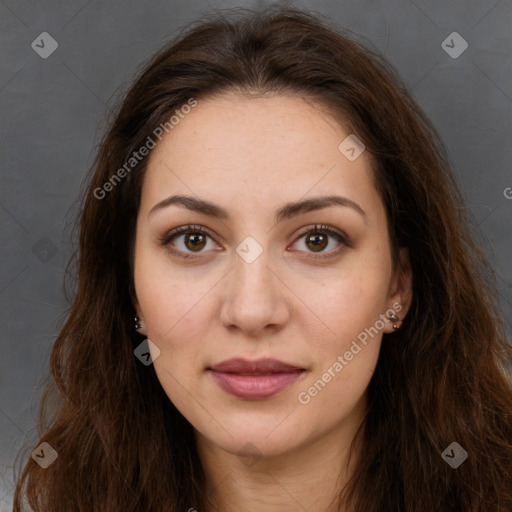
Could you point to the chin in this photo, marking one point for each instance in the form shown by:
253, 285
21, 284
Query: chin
256, 439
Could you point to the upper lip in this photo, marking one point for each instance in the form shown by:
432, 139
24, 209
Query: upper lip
267, 365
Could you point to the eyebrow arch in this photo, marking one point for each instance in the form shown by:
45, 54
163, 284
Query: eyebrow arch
287, 211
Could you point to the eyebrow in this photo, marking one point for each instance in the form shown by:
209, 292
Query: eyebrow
286, 212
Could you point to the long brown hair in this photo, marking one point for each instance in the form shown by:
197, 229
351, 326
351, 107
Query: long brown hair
123, 446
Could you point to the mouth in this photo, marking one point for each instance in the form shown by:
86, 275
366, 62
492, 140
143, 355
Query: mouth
255, 380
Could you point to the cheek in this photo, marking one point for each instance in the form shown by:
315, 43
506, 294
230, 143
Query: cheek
346, 342
345, 357
333, 394
171, 299
176, 308
176, 321
346, 302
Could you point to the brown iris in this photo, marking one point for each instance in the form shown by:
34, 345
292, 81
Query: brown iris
197, 240
319, 242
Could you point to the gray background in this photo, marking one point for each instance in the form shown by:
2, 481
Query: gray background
54, 111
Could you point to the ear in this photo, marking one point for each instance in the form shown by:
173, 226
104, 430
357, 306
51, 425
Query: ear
400, 290
138, 320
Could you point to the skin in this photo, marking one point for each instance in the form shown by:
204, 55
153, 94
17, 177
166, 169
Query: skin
251, 155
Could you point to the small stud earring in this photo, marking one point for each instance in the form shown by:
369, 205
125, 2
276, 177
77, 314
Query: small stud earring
138, 324
397, 323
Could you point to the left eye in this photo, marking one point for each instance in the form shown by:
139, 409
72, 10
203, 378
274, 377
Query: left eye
317, 239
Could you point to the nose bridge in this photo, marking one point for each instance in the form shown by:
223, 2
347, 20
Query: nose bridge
252, 274
253, 298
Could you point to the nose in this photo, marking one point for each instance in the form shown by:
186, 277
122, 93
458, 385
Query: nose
255, 298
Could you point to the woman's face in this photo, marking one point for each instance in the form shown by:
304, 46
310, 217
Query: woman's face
262, 281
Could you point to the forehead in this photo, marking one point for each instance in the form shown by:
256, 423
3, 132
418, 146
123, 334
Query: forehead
249, 150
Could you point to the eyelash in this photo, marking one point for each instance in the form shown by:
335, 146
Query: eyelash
323, 229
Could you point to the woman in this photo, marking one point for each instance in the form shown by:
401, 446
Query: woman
279, 304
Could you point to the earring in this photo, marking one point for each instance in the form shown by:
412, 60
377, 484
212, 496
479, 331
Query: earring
397, 323
138, 324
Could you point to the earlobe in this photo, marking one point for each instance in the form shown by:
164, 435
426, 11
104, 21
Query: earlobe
395, 319
139, 324
393, 322
400, 293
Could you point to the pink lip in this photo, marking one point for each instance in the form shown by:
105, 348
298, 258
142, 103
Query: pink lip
242, 378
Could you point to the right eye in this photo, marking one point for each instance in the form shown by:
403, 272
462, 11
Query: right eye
194, 239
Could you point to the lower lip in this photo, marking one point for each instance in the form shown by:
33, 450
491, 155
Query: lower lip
255, 386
